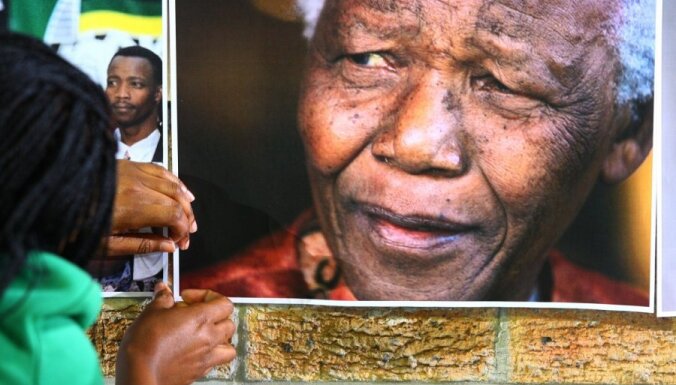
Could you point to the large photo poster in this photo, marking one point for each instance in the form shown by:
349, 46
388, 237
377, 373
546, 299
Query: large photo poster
430, 153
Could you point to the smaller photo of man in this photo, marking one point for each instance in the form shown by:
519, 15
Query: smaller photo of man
134, 92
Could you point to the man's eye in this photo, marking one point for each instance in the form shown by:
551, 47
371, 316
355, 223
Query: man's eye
490, 83
368, 59
137, 85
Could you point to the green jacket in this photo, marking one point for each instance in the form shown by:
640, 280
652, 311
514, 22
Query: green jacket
43, 316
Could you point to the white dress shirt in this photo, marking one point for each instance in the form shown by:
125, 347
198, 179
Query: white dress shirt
141, 151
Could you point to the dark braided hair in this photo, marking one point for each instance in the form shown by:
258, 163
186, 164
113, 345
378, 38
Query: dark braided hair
57, 167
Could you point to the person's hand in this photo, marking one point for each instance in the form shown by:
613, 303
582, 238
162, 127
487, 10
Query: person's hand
170, 344
148, 195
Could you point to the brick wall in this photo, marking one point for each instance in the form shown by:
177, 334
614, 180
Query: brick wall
492, 346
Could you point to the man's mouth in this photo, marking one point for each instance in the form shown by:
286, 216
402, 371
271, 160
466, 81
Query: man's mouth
412, 231
122, 107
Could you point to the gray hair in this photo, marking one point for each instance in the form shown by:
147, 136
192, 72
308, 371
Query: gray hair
636, 49
310, 10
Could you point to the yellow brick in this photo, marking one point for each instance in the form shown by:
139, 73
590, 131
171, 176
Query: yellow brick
107, 333
556, 346
319, 344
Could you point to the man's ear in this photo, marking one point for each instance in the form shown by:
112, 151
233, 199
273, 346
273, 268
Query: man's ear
632, 144
158, 93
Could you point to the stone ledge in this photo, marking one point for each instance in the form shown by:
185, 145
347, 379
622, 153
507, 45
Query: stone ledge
571, 347
106, 334
467, 346
323, 344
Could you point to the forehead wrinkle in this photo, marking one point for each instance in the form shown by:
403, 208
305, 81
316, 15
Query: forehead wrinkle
384, 19
555, 16
559, 57
512, 25
566, 28
391, 6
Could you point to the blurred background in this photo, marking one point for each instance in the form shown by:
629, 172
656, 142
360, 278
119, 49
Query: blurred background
238, 71
88, 32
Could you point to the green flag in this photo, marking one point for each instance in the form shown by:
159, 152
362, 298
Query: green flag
137, 17
32, 16
60, 21
88, 32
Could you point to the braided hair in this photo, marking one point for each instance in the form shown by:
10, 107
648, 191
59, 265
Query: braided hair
57, 167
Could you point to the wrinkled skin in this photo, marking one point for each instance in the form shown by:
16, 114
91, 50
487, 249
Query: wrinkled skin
133, 96
450, 143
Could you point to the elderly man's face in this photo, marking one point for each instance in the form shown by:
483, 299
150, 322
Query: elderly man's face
450, 143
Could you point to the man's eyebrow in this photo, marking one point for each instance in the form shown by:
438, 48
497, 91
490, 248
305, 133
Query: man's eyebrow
512, 43
550, 69
135, 77
521, 68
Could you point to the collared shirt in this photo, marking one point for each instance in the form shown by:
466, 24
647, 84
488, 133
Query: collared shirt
141, 151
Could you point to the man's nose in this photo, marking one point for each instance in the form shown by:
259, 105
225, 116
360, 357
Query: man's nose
425, 135
122, 91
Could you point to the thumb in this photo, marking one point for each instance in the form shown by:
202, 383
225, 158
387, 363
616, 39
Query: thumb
163, 298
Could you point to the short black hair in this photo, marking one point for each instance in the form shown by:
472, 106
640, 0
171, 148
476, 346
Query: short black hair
145, 53
57, 158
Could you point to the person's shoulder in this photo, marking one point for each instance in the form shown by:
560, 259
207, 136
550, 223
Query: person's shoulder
574, 283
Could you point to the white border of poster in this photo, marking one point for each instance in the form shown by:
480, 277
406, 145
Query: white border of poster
664, 97
173, 131
403, 304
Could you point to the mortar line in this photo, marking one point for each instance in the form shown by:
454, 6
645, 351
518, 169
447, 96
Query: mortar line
239, 374
502, 364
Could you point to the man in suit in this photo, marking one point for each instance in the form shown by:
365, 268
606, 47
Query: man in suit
134, 91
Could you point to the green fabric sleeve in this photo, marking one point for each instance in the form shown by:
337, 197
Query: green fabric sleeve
43, 317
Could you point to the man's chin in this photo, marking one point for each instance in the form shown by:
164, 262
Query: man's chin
415, 288
432, 295
130, 127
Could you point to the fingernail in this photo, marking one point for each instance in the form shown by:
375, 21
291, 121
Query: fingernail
160, 286
193, 227
168, 246
187, 192
185, 246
